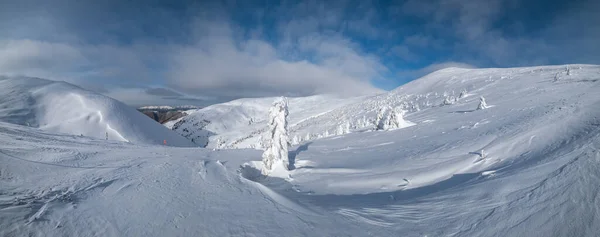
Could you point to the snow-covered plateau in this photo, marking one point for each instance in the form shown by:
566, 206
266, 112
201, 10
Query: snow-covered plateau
480, 152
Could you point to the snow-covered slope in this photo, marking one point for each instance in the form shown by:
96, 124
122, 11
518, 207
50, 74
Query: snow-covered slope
539, 168
241, 123
62, 107
61, 185
529, 165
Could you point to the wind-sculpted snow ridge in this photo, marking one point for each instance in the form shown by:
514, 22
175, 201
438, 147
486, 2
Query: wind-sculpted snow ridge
61, 107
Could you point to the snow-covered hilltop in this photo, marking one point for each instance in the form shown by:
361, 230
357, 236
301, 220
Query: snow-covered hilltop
241, 123
65, 108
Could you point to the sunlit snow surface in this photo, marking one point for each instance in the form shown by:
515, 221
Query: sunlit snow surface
539, 174
63, 108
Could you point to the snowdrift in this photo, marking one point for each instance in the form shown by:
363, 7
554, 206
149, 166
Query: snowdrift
65, 108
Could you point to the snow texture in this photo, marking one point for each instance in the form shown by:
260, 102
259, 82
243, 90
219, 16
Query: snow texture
527, 166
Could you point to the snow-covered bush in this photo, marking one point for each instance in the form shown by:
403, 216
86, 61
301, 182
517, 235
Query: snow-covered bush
276, 153
482, 104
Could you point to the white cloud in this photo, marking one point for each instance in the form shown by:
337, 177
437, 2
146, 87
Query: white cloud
72, 62
219, 65
25, 56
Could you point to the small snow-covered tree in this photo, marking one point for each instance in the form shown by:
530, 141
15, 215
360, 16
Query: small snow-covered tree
340, 130
415, 107
482, 104
557, 77
568, 70
347, 127
276, 152
307, 138
295, 140
462, 94
219, 143
364, 122
447, 101
380, 119
326, 133
396, 120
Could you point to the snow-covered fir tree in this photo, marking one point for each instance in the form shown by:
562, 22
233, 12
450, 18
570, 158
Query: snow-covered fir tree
396, 120
380, 119
343, 128
482, 104
568, 70
340, 130
276, 153
447, 101
415, 107
364, 122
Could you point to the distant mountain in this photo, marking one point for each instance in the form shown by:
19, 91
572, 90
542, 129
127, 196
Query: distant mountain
169, 108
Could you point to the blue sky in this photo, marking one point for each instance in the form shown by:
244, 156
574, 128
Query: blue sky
206, 52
